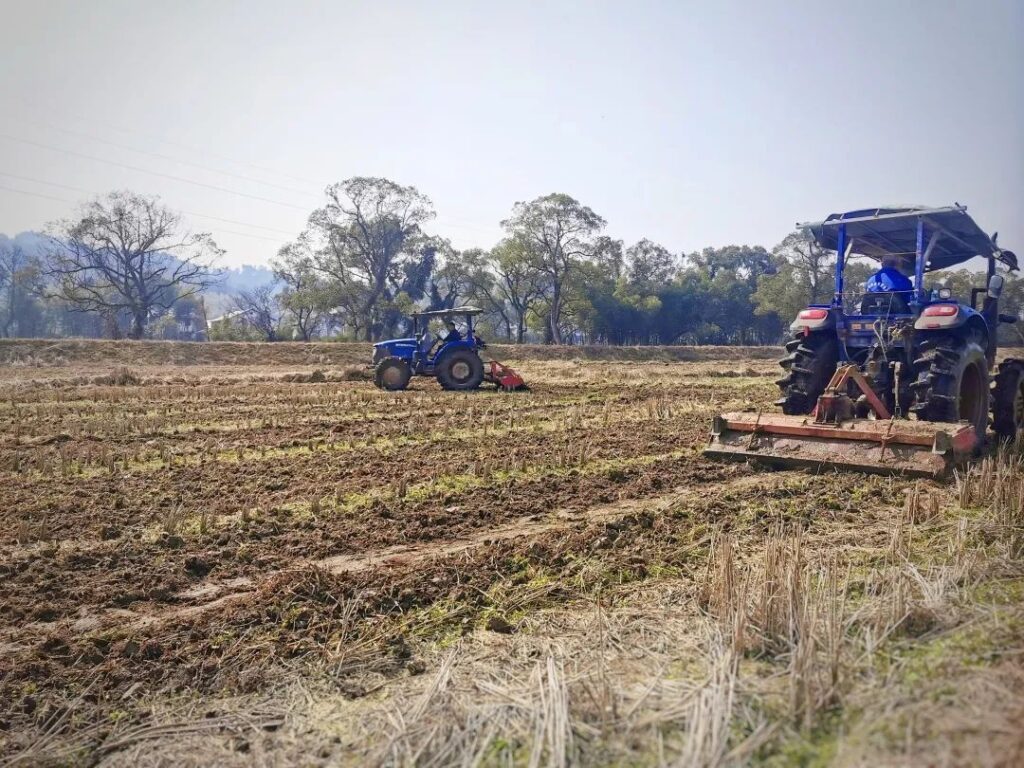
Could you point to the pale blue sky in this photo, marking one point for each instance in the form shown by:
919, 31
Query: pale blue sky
691, 123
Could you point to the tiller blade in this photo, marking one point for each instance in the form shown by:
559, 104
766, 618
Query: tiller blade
830, 438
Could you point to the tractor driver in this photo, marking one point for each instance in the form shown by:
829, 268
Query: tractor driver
453, 332
890, 278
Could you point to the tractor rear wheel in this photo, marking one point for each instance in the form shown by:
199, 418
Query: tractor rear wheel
461, 370
392, 374
952, 381
1008, 399
809, 364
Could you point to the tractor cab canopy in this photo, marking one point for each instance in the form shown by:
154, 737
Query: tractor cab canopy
421, 320
466, 311
943, 237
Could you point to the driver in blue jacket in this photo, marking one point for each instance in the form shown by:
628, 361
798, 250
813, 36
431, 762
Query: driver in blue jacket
889, 279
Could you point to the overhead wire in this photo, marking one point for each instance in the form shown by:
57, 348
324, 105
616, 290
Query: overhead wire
66, 200
136, 168
169, 158
189, 213
42, 109
34, 194
453, 223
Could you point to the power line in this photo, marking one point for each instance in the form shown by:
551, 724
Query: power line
65, 200
160, 156
152, 173
454, 223
39, 108
35, 194
188, 213
49, 147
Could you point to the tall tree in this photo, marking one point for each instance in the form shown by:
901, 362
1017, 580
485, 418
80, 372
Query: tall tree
452, 278
127, 253
368, 228
20, 285
304, 295
607, 253
560, 232
748, 262
518, 282
650, 263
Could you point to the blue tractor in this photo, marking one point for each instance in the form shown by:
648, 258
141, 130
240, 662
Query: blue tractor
453, 358
900, 377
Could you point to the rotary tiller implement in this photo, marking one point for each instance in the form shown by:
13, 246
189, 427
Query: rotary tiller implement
830, 438
504, 377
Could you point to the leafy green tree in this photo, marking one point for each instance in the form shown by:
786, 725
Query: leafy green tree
804, 275
607, 253
560, 233
749, 262
649, 263
305, 296
505, 282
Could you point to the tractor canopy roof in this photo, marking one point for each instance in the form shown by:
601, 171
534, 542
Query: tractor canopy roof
449, 312
878, 232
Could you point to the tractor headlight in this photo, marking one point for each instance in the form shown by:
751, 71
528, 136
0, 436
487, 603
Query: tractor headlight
945, 293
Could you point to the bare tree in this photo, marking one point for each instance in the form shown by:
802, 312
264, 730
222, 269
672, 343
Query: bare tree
126, 253
261, 309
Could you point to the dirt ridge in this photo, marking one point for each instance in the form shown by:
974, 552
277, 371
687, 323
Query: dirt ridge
60, 352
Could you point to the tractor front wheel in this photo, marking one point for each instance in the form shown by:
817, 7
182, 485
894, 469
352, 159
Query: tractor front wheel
461, 370
392, 374
1008, 399
952, 381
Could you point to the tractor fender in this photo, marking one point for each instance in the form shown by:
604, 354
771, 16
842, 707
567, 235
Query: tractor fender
817, 317
450, 347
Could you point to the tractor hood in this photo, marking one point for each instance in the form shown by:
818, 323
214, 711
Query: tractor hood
393, 346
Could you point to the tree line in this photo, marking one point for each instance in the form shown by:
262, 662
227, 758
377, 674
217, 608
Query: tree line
125, 266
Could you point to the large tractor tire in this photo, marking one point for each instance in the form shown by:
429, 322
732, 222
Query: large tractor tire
461, 370
952, 381
809, 364
392, 374
1008, 399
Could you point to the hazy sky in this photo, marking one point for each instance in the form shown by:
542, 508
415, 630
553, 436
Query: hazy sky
691, 123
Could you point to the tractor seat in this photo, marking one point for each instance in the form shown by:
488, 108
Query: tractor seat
885, 303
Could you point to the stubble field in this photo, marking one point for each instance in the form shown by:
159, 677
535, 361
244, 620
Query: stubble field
234, 554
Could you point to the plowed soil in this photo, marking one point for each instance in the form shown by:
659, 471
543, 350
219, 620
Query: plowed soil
173, 530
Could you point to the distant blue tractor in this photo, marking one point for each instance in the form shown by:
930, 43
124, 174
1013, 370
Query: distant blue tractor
904, 377
456, 363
